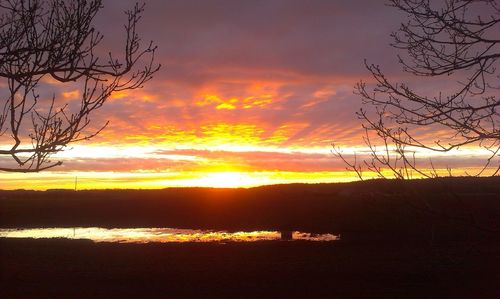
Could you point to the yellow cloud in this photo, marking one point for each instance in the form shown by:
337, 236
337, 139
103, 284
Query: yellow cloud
231, 103
226, 106
208, 99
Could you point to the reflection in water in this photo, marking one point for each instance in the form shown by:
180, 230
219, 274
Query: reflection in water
162, 235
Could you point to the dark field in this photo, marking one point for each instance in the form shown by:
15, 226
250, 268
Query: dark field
420, 239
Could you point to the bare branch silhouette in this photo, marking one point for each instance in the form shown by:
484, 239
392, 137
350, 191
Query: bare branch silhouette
440, 39
55, 39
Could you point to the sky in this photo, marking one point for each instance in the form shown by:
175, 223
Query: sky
249, 93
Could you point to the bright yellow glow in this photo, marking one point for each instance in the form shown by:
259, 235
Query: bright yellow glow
226, 106
158, 180
232, 165
229, 180
151, 180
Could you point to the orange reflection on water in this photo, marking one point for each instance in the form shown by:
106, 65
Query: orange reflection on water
160, 235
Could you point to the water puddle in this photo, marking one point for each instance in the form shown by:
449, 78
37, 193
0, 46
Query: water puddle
161, 235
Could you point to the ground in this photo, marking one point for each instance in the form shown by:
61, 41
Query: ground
390, 248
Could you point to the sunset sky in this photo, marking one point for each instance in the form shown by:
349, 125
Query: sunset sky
249, 93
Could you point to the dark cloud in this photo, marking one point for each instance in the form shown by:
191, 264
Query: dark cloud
203, 39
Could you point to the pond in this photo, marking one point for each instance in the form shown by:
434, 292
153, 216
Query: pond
162, 235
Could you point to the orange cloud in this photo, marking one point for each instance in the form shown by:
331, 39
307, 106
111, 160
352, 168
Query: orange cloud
74, 94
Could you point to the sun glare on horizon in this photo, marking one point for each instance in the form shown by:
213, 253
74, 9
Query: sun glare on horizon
229, 180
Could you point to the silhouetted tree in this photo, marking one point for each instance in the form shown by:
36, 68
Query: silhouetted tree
54, 40
440, 39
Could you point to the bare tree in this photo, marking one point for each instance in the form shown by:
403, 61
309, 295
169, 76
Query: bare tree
43, 40
441, 39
